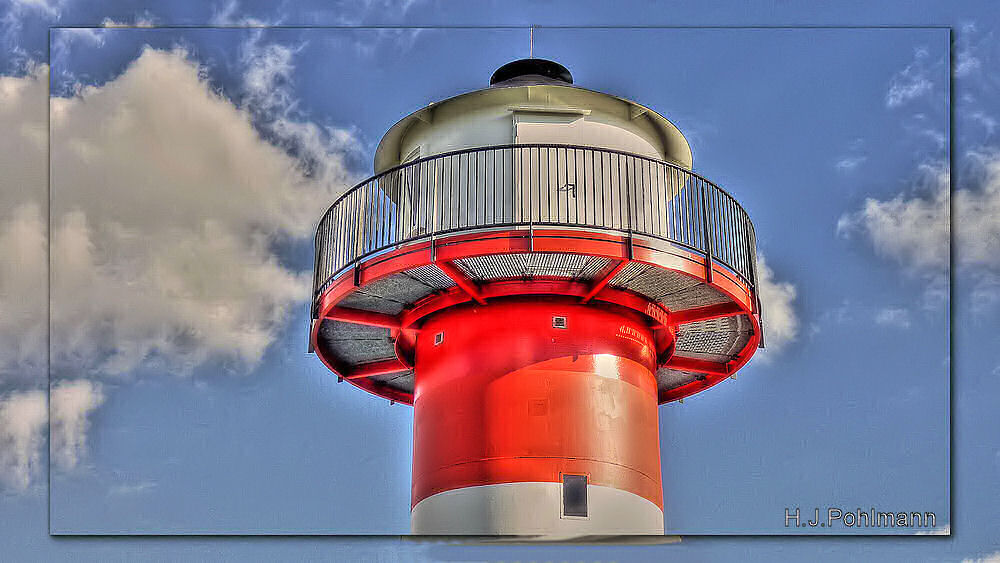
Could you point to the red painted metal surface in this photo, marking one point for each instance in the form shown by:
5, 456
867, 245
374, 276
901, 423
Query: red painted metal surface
460, 279
376, 368
504, 396
359, 316
604, 280
619, 248
706, 313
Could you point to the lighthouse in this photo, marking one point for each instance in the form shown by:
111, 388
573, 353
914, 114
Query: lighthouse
535, 267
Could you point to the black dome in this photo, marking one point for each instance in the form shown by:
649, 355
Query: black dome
526, 67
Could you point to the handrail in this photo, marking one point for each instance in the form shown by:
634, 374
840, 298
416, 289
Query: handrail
523, 185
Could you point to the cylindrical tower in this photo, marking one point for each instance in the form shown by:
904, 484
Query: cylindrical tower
535, 268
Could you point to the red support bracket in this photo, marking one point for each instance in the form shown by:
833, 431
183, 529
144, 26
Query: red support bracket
461, 280
705, 313
376, 368
697, 365
361, 317
601, 283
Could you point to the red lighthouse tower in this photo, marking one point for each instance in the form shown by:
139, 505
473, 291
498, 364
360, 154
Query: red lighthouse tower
535, 268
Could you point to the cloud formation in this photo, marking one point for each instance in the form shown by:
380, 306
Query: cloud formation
913, 228
23, 419
167, 203
777, 302
913, 82
72, 403
23, 296
895, 317
989, 558
850, 163
23, 240
23, 276
49, 8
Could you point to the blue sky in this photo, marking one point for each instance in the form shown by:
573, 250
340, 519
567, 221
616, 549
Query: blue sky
206, 438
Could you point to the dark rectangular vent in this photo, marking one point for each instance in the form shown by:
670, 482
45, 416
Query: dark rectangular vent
575, 495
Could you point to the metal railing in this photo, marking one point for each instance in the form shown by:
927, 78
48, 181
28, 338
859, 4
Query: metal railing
534, 185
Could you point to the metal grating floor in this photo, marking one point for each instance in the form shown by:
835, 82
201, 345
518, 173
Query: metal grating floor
716, 340
720, 338
673, 290
431, 276
532, 264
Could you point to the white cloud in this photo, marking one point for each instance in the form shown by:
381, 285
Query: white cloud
23, 275
977, 209
939, 531
969, 50
269, 96
912, 82
24, 270
72, 403
24, 121
166, 207
23, 296
913, 230
132, 488
910, 229
269, 69
781, 323
977, 234
50, 8
228, 14
166, 203
988, 123
989, 558
849, 163
23, 418
966, 63
893, 317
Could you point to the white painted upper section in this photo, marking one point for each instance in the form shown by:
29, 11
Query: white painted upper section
533, 113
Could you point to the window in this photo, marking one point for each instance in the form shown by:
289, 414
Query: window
575, 495
558, 322
438, 338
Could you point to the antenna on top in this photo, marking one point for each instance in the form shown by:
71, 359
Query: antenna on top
531, 42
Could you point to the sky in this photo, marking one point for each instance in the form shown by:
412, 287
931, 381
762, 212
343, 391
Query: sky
171, 413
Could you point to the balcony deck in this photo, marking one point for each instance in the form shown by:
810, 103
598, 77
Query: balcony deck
593, 223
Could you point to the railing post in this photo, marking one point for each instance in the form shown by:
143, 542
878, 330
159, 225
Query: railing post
756, 288
706, 235
628, 203
359, 223
434, 215
531, 199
